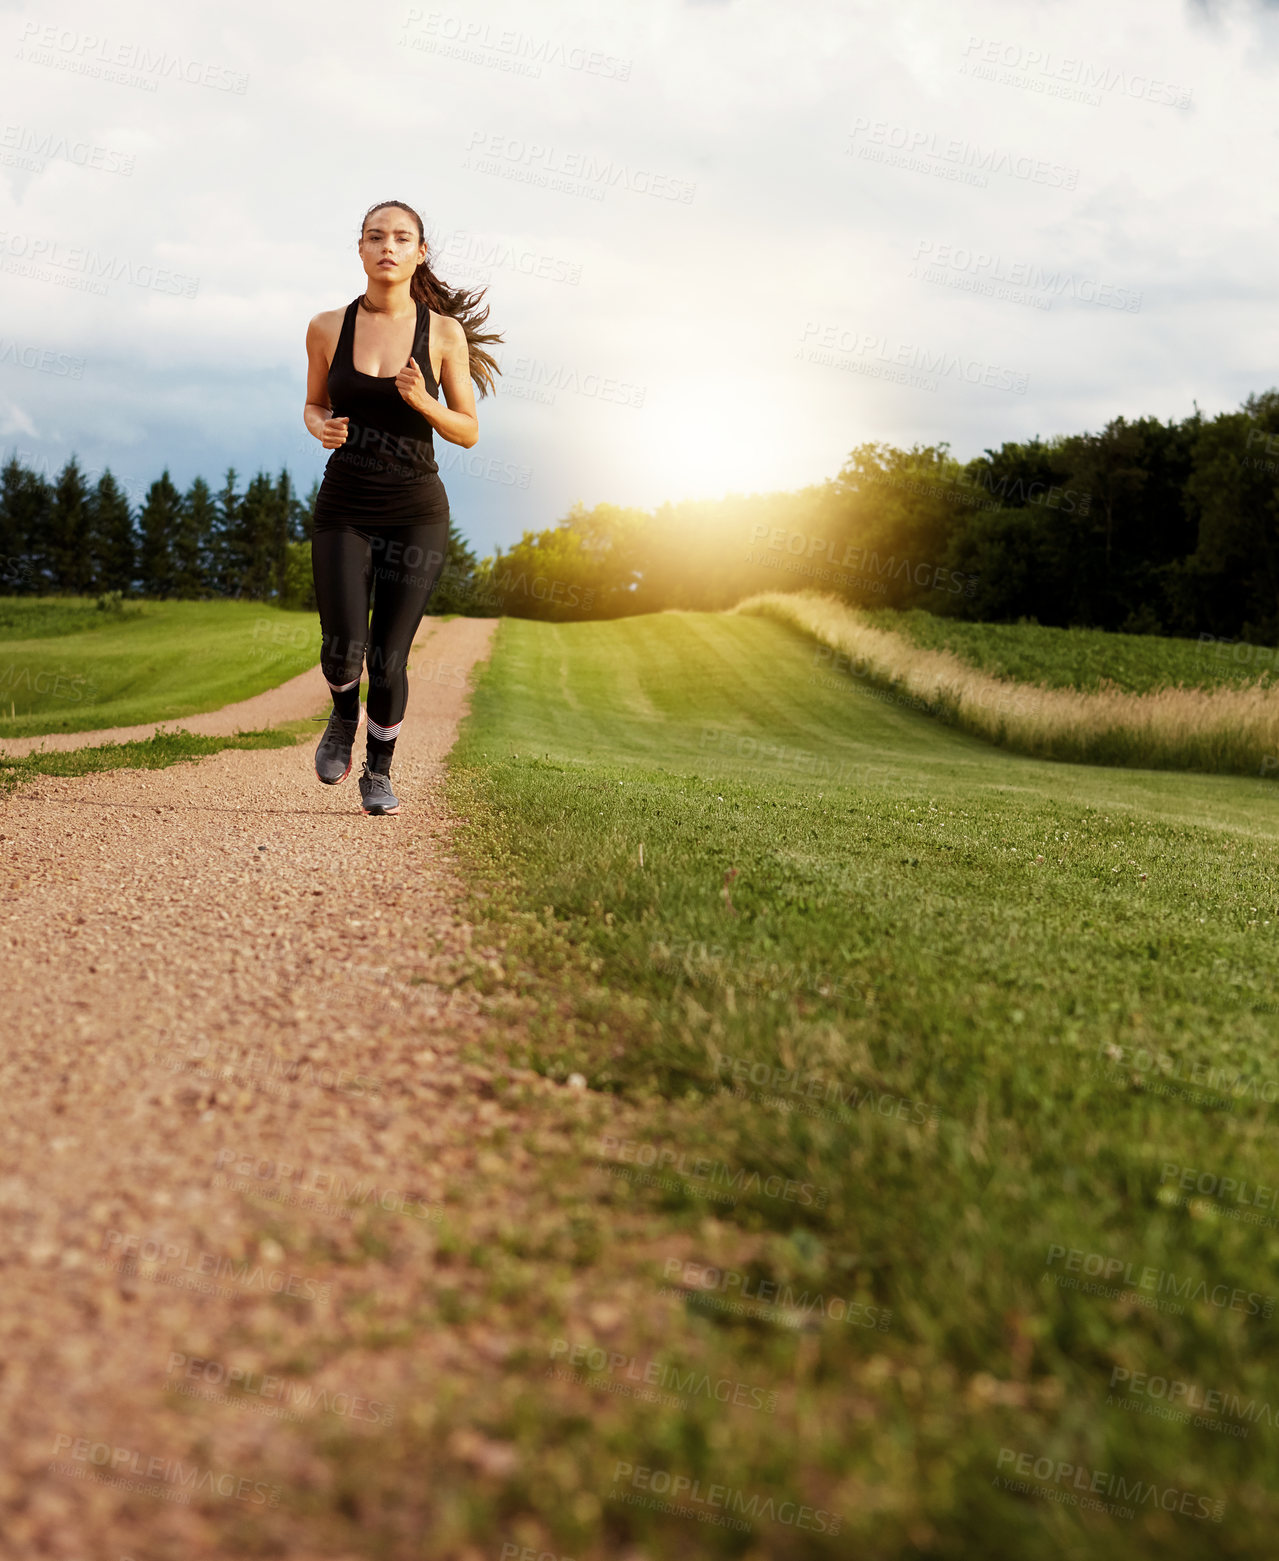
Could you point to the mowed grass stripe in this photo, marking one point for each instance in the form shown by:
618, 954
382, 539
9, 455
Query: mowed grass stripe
997, 924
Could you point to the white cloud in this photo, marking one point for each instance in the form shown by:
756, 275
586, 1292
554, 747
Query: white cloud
805, 226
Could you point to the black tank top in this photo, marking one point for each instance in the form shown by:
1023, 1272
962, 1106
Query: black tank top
386, 470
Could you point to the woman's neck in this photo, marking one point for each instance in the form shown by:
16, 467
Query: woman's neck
390, 298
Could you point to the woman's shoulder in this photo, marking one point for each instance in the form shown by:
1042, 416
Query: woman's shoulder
326, 324
446, 327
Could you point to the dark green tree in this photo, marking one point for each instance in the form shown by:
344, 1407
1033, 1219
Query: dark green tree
456, 589
158, 525
25, 501
113, 547
307, 514
66, 538
225, 564
191, 551
1233, 574
261, 536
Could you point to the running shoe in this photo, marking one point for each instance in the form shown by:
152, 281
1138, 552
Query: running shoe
333, 756
376, 796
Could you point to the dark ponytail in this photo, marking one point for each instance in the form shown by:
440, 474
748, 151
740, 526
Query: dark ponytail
461, 303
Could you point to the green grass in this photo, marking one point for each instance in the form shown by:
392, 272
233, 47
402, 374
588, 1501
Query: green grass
931, 944
67, 666
47, 617
1081, 658
155, 753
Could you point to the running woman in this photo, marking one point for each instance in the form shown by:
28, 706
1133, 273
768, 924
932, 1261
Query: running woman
374, 372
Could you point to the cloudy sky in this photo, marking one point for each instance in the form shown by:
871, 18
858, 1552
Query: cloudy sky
725, 240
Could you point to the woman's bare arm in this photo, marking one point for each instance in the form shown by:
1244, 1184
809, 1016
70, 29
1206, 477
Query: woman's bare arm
317, 414
457, 422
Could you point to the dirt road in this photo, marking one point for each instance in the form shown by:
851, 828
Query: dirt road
229, 1011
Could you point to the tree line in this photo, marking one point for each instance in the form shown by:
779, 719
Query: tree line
69, 537
66, 536
1144, 527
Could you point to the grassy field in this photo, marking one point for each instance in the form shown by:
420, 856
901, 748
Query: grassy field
917, 1040
68, 666
1083, 658
1225, 728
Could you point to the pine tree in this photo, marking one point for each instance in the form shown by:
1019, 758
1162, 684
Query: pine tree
25, 501
67, 537
193, 542
456, 590
158, 524
112, 545
228, 562
259, 533
285, 528
307, 513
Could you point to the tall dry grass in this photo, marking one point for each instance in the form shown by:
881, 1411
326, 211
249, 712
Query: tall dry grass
1223, 731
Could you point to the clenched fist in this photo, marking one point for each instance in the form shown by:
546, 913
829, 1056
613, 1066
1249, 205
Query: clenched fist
411, 385
333, 432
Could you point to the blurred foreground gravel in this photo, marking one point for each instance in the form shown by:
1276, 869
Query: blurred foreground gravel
229, 1010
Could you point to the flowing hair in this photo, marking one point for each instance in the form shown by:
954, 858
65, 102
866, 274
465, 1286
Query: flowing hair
462, 303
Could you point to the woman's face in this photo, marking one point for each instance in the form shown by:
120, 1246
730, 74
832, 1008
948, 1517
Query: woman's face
389, 245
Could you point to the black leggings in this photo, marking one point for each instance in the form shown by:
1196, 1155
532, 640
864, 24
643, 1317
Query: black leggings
405, 560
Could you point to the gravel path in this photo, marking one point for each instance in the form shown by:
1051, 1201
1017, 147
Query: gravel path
230, 1002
